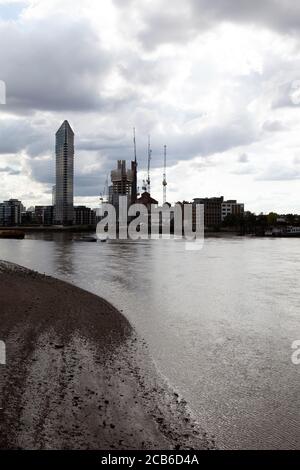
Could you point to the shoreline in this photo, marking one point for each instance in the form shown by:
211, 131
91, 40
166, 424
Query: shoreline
78, 376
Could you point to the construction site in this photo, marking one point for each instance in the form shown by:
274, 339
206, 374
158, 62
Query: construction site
124, 181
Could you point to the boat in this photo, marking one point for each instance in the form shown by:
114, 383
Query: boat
286, 232
291, 232
87, 239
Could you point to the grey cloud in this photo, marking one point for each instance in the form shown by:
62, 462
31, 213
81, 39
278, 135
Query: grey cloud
59, 65
243, 158
38, 141
286, 96
14, 136
179, 21
43, 170
167, 26
209, 140
17, 135
146, 72
203, 164
95, 145
52, 65
279, 173
105, 140
273, 126
184, 147
214, 139
281, 15
89, 185
10, 171
244, 170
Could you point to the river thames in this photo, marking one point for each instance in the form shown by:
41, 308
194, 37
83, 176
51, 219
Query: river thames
219, 322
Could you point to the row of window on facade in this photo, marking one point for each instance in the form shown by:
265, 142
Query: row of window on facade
13, 213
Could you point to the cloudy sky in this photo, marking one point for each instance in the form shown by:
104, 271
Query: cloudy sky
217, 81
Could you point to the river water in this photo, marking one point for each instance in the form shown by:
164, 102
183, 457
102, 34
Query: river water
219, 322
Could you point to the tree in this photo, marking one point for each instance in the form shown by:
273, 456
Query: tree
272, 218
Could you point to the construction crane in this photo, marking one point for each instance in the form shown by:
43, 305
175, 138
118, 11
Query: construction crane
144, 186
134, 145
134, 192
164, 183
104, 194
149, 163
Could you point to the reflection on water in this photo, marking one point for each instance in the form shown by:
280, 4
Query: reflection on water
219, 322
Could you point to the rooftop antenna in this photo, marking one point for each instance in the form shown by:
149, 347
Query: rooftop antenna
149, 162
165, 176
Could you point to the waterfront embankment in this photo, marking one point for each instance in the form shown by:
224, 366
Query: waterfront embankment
78, 377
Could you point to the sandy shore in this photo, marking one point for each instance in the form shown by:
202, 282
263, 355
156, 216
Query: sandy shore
78, 377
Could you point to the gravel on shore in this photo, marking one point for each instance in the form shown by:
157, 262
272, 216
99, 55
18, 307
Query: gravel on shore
77, 376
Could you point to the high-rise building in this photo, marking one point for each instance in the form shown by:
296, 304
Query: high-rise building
122, 180
64, 189
53, 195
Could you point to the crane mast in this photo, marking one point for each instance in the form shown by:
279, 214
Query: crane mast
165, 176
134, 188
104, 193
149, 164
134, 144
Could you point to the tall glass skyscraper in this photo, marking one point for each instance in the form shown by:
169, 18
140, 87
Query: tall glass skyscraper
64, 200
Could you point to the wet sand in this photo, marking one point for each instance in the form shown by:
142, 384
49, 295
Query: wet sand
77, 376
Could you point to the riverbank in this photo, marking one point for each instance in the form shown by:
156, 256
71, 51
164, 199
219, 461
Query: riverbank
78, 377
12, 234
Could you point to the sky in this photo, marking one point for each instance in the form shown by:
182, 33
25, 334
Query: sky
218, 82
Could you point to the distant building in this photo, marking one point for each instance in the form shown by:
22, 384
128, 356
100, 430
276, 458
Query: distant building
231, 207
43, 215
147, 200
48, 215
38, 215
10, 213
27, 217
64, 198
212, 210
84, 216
